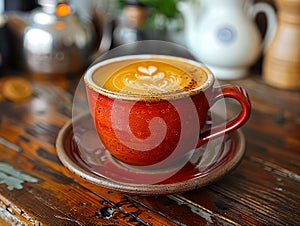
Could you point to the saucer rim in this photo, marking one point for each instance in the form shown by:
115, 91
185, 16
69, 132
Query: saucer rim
147, 189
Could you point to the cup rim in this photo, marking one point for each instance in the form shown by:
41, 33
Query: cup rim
154, 97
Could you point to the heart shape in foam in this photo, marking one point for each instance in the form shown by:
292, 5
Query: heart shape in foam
149, 71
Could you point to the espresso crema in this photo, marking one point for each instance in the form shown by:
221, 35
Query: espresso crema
150, 75
153, 77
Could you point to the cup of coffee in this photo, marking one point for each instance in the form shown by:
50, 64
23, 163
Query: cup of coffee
150, 109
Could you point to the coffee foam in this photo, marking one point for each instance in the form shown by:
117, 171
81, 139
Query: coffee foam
148, 76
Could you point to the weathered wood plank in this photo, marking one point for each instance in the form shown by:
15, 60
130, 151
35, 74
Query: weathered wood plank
259, 197
263, 190
8, 219
57, 194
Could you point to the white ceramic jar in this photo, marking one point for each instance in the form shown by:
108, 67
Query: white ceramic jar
222, 34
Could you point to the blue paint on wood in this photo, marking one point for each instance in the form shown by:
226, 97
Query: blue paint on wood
10, 145
14, 178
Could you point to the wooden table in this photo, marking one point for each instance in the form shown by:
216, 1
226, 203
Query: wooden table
36, 189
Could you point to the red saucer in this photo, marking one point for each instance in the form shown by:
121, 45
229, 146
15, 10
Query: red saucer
82, 152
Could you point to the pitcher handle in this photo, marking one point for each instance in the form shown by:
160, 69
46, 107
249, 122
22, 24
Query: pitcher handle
271, 21
104, 30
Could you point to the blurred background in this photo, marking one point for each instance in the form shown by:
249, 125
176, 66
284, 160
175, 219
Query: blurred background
234, 38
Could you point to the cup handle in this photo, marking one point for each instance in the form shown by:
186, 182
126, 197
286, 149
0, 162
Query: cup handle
239, 94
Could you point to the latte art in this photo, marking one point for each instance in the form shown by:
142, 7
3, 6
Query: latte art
147, 79
154, 83
153, 77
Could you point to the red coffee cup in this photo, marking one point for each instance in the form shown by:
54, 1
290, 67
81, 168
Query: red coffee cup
143, 119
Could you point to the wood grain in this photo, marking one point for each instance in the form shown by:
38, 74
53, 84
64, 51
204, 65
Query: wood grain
263, 190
